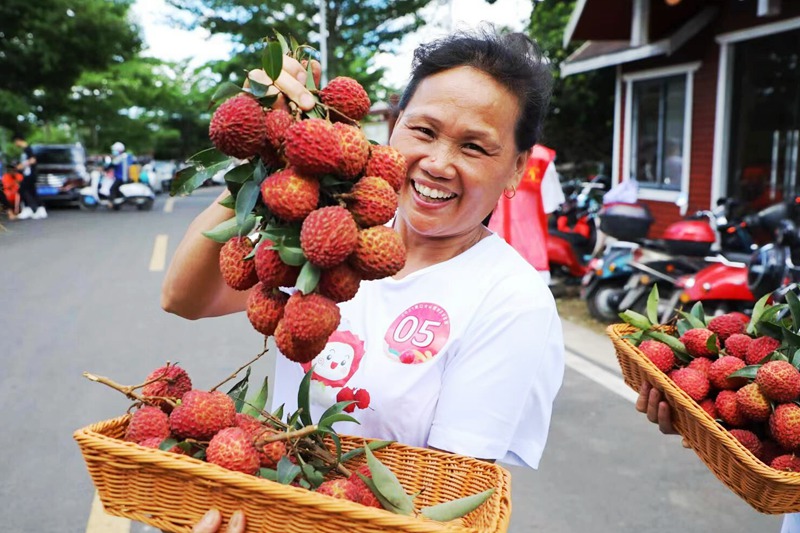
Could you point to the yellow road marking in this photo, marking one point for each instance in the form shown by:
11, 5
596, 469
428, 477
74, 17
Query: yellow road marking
100, 522
159, 257
169, 204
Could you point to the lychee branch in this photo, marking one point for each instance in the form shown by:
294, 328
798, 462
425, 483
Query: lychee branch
287, 435
127, 390
256, 358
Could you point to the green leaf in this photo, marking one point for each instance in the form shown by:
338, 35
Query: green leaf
769, 329
682, 326
246, 201
268, 100
200, 454
374, 445
310, 85
272, 60
388, 484
335, 438
790, 338
229, 229
268, 473
711, 344
286, 234
224, 91
294, 44
294, 419
167, 444
239, 391
287, 471
192, 177
278, 413
652, 305
328, 181
758, 310
308, 278
208, 157
386, 504
291, 255
794, 309
257, 405
636, 320
692, 320
453, 509
303, 398
328, 421
257, 89
748, 372
239, 174
635, 337
699, 313
676, 345
260, 173
334, 409
796, 359
312, 475
229, 202
284, 45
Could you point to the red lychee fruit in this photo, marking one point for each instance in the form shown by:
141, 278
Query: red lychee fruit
728, 409
238, 273
779, 381
786, 463
276, 122
270, 453
726, 325
784, 425
339, 488
310, 316
271, 270
749, 440
355, 150
738, 344
237, 128
760, 348
290, 194
379, 253
753, 403
722, 368
346, 96
202, 414
313, 147
372, 201
155, 442
696, 340
265, 308
339, 283
328, 236
691, 381
659, 353
708, 406
147, 422
389, 164
173, 382
250, 424
770, 450
347, 394
297, 350
365, 495
743, 317
270, 156
362, 398
702, 364
233, 449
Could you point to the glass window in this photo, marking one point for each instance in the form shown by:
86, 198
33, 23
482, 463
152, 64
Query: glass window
659, 114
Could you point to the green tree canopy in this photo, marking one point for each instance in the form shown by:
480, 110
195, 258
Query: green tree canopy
357, 30
48, 44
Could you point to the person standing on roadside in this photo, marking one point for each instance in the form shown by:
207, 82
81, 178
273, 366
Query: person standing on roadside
27, 191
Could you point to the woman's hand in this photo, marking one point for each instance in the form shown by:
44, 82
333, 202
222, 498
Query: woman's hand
212, 520
291, 82
651, 402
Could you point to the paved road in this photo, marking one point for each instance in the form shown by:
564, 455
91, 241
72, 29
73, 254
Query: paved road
81, 292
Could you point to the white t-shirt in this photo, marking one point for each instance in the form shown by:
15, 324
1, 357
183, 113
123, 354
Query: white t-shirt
465, 356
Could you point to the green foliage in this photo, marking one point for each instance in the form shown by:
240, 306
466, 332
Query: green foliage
580, 124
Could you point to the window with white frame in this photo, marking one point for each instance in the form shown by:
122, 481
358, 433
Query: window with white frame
658, 124
658, 130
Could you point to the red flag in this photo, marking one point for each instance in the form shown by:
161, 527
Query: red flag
521, 220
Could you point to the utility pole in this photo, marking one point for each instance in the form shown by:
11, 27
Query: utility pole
323, 40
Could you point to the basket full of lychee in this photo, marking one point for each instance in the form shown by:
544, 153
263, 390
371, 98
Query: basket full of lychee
310, 197
733, 385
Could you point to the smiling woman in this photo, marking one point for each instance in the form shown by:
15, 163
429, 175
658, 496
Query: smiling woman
462, 349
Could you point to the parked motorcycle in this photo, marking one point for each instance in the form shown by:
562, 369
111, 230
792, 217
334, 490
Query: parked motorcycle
685, 248
573, 235
98, 192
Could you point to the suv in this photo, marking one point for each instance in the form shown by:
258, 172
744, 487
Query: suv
61, 172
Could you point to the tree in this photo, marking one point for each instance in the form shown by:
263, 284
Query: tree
47, 44
357, 30
580, 124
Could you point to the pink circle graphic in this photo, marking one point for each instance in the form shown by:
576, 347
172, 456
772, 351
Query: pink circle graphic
418, 334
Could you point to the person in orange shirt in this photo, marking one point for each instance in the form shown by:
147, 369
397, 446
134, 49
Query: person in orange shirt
521, 217
9, 192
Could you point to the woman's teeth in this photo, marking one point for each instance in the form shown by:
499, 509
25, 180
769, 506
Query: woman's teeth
432, 193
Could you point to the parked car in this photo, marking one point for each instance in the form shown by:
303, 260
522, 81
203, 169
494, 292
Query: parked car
61, 170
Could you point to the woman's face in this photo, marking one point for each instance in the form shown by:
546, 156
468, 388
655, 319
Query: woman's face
457, 135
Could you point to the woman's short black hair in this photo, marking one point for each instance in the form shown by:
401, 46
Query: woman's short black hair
512, 59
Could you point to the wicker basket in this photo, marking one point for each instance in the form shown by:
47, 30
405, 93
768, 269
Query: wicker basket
767, 490
171, 491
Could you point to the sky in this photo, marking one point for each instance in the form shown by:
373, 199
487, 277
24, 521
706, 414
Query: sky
165, 41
